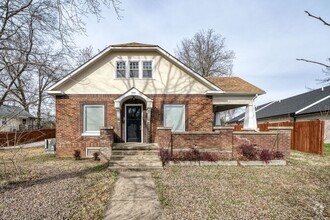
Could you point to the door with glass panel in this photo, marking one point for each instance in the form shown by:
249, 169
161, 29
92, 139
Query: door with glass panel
133, 123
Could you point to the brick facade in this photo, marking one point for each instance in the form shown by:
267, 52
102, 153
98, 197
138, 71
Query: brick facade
69, 118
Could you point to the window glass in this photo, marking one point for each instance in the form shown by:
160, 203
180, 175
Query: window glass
147, 69
174, 117
93, 118
134, 69
121, 69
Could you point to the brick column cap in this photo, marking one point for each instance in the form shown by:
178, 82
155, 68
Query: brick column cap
280, 128
223, 128
107, 128
164, 128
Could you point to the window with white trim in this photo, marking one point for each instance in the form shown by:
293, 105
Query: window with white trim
174, 117
121, 69
93, 119
147, 69
134, 69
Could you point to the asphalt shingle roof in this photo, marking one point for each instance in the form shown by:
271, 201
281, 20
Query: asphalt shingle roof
295, 103
234, 84
14, 111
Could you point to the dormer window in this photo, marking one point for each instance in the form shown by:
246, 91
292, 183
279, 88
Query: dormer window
121, 69
134, 69
147, 69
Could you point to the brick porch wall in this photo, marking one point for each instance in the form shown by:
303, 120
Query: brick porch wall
69, 118
226, 141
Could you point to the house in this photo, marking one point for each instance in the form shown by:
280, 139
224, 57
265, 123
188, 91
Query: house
14, 118
312, 105
129, 92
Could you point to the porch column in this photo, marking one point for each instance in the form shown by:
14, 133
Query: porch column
118, 121
250, 120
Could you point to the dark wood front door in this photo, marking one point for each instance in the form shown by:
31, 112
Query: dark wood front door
133, 123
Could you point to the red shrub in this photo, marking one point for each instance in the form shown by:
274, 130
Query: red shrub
266, 155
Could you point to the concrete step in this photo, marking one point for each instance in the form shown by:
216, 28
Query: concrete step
117, 168
136, 163
135, 146
135, 157
135, 152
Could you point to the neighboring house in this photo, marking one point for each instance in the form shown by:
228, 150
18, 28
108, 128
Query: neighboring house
136, 88
312, 105
14, 118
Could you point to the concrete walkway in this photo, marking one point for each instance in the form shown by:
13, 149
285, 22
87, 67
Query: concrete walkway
134, 197
29, 145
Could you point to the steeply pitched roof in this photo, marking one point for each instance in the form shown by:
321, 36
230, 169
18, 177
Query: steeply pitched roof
306, 103
14, 111
133, 44
235, 84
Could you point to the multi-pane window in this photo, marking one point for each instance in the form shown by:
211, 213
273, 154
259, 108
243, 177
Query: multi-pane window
121, 69
174, 117
93, 118
147, 69
134, 69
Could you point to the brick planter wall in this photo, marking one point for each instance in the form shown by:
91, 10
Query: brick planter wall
226, 141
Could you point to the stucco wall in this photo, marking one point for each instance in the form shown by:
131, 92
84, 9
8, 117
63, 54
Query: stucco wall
99, 78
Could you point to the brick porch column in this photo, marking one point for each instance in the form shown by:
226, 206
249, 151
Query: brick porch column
106, 140
283, 143
163, 137
225, 138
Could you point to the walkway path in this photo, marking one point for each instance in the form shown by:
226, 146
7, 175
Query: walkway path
134, 197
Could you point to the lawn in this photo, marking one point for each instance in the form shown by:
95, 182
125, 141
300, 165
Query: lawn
47, 187
327, 149
300, 190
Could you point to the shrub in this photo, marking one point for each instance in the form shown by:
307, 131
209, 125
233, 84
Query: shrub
266, 155
96, 156
76, 154
249, 152
165, 155
278, 155
206, 156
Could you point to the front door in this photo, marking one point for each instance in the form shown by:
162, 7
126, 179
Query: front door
133, 123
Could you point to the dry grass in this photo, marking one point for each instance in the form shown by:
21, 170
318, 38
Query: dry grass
47, 187
297, 191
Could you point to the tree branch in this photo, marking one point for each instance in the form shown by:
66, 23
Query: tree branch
318, 18
315, 62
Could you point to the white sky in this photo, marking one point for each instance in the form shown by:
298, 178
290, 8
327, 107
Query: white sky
266, 35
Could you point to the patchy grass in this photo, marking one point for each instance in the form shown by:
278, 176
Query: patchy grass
300, 190
47, 187
326, 149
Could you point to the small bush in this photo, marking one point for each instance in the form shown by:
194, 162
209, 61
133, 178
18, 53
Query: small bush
96, 156
266, 155
165, 155
206, 156
278, 155
249, 152
76, 154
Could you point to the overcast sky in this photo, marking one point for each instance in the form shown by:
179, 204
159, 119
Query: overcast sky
266, 35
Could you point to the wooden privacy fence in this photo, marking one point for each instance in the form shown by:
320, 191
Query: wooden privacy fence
307, 136
22, 137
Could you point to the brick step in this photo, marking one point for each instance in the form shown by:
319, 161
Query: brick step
128, 163
135, 157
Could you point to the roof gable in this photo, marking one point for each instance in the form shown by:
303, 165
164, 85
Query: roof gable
133, 47
14, 112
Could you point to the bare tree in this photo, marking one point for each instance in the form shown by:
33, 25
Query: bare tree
324, 65
84, 55
206, 54
36, 45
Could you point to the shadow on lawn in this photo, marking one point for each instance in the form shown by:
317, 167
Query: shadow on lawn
56, 177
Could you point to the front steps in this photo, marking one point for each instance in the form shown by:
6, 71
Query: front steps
135, 156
